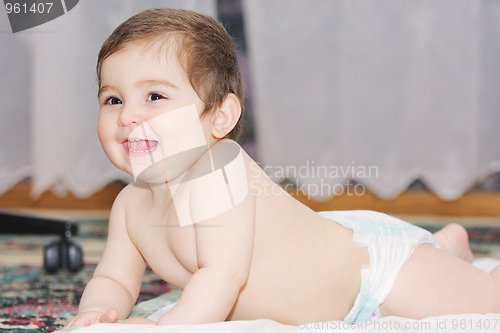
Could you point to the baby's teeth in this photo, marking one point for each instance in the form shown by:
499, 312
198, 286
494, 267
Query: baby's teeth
140, 151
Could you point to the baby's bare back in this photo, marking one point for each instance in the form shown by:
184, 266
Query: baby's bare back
303, 266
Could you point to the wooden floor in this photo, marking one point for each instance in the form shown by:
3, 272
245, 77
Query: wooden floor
486, 204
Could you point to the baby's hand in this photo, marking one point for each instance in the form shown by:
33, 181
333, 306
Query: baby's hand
138, 320
93, 317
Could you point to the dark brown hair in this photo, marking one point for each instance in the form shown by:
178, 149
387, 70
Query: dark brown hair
204, 49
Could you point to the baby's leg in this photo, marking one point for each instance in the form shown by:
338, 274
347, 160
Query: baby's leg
453, 239
433, 282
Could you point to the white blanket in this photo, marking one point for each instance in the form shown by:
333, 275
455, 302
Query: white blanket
448, 323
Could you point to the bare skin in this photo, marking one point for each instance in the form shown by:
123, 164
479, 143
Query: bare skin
433, 283
253, 254
442, 275
307, 244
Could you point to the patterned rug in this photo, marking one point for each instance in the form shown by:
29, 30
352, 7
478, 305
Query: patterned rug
33, 301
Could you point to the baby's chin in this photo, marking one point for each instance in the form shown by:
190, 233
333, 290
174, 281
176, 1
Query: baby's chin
157, 174
169, 168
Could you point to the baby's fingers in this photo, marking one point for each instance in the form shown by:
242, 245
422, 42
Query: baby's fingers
109, 316
70, 323
79, 321
93, 317
138, 320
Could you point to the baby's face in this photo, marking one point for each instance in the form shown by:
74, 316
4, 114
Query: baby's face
149, 121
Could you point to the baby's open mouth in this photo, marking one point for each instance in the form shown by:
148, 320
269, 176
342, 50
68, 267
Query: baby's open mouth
141, 145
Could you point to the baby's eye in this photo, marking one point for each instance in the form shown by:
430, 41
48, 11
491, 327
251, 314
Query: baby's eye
155, 96
113, 100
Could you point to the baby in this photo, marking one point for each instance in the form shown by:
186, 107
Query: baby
207, 219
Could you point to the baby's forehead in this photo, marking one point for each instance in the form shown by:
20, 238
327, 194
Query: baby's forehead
151, 62
160, 54
166, 53
164, 48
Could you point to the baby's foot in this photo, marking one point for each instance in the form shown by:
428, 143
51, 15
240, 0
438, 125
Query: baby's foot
453, 239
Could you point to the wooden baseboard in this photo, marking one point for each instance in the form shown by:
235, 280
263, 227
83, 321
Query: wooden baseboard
414, 203
409, 203
18, 197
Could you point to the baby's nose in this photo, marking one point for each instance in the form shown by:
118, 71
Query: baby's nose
129, 116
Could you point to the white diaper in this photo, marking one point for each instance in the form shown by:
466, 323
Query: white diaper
155, 316
390, 243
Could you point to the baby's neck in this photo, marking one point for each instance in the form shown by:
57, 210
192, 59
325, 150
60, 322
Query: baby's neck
162, 192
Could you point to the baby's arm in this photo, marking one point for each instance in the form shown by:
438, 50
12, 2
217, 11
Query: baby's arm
224, 249
117, 279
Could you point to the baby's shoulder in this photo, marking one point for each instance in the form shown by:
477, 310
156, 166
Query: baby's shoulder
128, 193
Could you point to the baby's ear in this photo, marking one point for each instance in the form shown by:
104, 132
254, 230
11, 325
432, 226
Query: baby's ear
226, 116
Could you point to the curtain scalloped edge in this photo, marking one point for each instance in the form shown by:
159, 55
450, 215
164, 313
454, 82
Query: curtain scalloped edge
14, 178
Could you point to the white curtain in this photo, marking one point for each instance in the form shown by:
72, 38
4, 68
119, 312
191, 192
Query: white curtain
48, 96
382, 92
